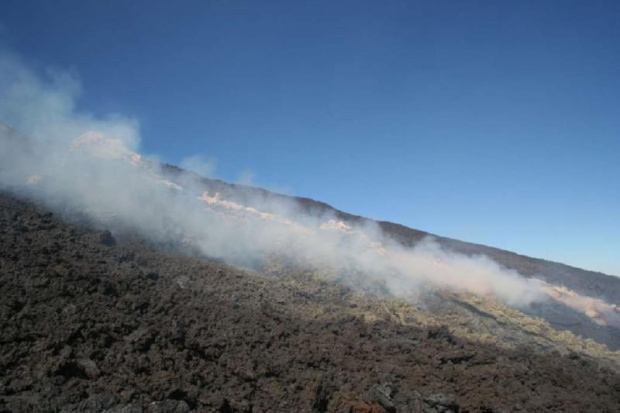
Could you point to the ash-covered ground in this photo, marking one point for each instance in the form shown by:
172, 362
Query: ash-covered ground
102, 323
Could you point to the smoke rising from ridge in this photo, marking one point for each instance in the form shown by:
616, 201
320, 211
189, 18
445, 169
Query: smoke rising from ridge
87, 163
45, 107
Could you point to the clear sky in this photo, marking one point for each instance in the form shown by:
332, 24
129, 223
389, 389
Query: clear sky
496, 122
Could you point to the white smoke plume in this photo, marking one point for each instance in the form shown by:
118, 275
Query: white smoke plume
82, 162
46, 107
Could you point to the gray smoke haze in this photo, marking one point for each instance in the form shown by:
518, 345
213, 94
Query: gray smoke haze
89, 163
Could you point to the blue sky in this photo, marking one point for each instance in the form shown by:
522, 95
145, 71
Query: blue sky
496, 122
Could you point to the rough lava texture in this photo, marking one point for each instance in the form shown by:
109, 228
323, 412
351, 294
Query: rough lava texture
98, 322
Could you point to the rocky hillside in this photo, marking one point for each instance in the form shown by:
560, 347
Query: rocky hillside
97, 322
119, 296
588, 283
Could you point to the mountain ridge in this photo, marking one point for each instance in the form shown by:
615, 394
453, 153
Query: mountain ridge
551, 271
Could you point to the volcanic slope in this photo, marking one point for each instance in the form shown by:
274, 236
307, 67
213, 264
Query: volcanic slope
575, 280
245, 225
94, 322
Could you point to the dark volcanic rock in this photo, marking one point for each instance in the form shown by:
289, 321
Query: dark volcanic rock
125, 328
106, 238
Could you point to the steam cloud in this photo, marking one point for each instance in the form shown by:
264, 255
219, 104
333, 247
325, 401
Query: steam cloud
65, 164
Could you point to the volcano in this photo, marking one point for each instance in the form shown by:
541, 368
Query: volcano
134, 286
